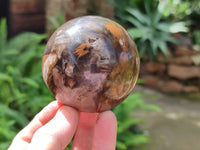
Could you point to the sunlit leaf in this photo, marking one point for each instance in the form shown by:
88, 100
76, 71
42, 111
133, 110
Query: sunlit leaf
135, 33
5, 77
14, 114
29, 82
178, 27
138, 15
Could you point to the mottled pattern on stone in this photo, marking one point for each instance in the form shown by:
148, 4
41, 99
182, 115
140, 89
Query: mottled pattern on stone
96, 64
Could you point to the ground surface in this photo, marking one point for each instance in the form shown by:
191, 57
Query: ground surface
176, 128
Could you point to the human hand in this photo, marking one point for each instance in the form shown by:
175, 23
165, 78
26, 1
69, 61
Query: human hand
54, 127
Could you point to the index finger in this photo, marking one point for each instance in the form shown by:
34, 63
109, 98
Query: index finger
24, 137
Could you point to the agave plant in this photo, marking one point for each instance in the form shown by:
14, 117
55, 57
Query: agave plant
150, 31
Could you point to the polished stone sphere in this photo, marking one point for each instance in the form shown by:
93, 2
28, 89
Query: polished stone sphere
91, 64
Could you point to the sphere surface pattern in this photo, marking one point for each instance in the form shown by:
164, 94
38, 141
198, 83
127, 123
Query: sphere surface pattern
90, 63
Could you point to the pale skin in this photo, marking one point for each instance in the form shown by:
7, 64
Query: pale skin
54, 127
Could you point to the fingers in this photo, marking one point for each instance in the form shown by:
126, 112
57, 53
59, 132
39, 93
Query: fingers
23, 138
105, 132
85, 131
96, 132
57, 133
54, 127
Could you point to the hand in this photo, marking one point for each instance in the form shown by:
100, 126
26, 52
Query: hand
54, 127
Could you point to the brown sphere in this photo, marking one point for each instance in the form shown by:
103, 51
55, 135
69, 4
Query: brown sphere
90, 63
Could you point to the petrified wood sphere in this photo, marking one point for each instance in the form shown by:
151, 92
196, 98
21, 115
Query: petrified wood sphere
91, 64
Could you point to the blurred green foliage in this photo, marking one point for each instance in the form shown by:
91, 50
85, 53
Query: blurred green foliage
129, 135
23, 92
184, 10
146, 25
196, 37
181, 9
150, 32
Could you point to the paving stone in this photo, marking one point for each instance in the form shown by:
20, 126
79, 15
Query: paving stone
183, 60
190, 89
155, 67
183, 51
151, 81
183, 72
171, 86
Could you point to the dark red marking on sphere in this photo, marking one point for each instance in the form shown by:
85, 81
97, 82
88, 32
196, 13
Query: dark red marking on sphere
91, 64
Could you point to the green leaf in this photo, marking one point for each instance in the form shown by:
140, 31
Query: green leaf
5, 77
138, 15
162, 6
121, 146
137, 140
156, 18
152, 107
127, 123
3, 33
163, 48
61, 18
13, 71
178, 27
135, 33
9, 52
133, 21
31, 42
14, 114
29, 82
163, 26
140, 81
25, 39
196, 37
53, 22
